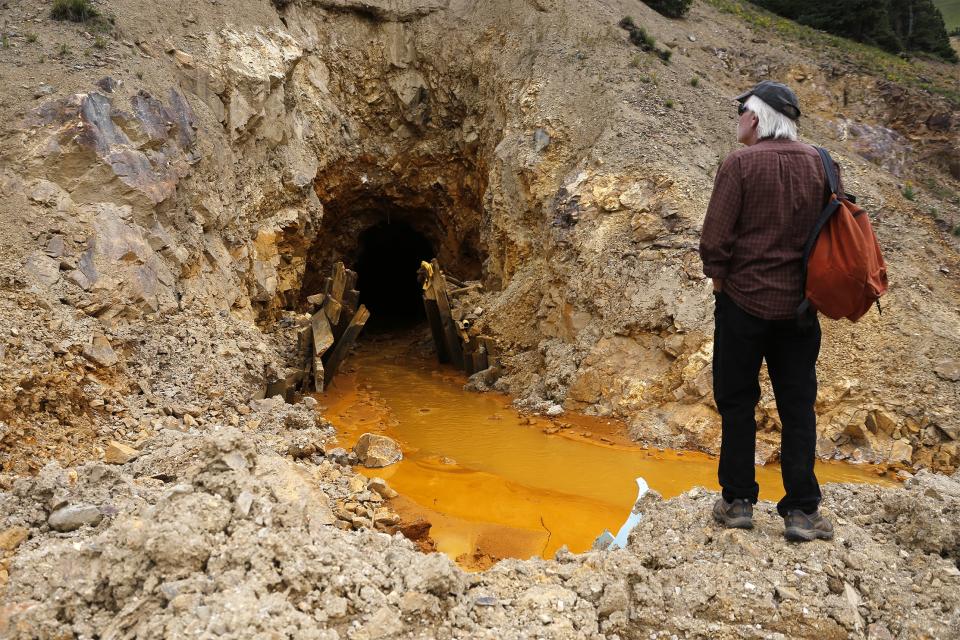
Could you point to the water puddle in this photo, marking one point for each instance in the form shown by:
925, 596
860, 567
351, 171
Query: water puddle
494, 483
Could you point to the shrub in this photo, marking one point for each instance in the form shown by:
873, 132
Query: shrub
908, 192
956, 231
669, 104
694, 81
670, 8
665, 54
73, 10
31, 38
63, 50
100, 42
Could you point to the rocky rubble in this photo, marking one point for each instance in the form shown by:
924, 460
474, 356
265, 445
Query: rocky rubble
203, 534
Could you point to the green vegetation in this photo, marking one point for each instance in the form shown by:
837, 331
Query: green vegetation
63, 50
640, 37
636, 61
4, 42
956, 231
951, 14
888, 66
694, 82
31, 38
668, 104
73, 10
908, 192
100, 42
893, 25
670, 8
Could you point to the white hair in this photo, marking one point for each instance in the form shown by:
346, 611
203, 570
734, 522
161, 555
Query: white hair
772, 123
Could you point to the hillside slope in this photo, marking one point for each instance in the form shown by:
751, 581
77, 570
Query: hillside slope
173, 187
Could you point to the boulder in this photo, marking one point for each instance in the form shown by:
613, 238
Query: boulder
948, 370
901, 452
377, 451
100, 352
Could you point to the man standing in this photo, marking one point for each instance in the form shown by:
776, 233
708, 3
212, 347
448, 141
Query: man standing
766, 199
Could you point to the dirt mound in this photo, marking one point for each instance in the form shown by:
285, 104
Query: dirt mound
205, 535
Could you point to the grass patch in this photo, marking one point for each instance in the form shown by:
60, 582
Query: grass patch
73, 10
4, 41
668, 104
951, 13
63, 50
873, 60
956, 231
639, 36
908, 192
31, 38
100, 42
694, 82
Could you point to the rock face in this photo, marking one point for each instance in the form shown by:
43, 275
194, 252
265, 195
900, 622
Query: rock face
375, 451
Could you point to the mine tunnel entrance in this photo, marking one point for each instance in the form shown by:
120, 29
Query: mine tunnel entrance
388, 256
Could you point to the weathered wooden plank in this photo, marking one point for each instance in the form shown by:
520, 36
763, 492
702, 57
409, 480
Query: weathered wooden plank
332, 309
450, 332
339, 282
322, 341
436, 328
343, 345
350, 301
465, 289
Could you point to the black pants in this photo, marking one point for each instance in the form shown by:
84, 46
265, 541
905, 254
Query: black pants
741, 342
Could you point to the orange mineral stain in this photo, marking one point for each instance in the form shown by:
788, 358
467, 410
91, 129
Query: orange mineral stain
495, 483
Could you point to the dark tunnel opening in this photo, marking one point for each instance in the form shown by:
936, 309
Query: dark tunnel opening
389, 256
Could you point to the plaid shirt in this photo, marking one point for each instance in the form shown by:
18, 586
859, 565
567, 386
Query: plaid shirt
766, 199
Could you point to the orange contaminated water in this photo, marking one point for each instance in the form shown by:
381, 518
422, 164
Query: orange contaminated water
489, 479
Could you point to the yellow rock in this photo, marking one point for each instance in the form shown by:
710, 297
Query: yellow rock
11, 538
119, 453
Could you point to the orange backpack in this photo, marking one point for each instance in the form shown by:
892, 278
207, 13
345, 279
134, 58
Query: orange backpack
844, 270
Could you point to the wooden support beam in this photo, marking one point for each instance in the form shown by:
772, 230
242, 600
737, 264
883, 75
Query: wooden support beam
322, 341
339, 282
350, 301
465, 289
450, 328
342, 348
332, 309
436, 329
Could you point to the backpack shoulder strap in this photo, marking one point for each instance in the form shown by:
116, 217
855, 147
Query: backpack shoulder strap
829, 169
831, 207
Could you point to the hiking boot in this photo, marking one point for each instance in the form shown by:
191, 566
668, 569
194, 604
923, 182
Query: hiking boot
804, 527
734, 515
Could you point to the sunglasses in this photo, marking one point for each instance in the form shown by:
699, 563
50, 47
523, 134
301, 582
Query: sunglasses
741, 108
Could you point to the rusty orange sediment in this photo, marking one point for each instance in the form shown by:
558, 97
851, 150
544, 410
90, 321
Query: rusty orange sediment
496, 483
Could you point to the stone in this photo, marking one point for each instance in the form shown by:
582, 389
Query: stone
436, 574
541, 140
948, 370
380, 486
72, 517
385, 623
100, 352
11, 538
119, 453
43, 268
901, 452
374, 451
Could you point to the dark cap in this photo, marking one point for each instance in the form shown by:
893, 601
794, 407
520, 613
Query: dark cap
779, 96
